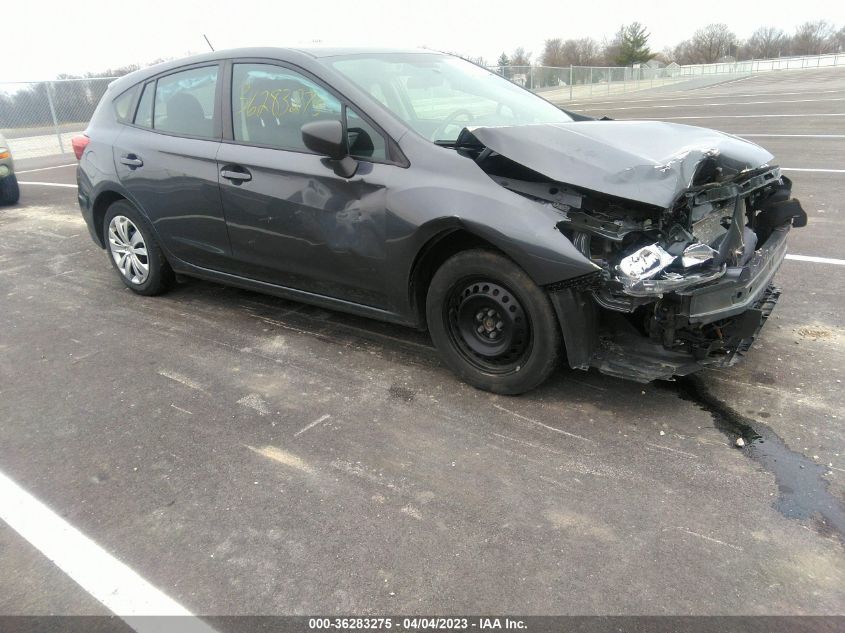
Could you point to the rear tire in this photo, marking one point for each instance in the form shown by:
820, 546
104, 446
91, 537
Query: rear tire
134, 251
493, 326
10, 193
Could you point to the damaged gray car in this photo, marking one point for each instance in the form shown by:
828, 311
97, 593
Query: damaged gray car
417, 188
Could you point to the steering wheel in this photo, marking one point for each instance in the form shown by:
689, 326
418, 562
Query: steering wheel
500, 111
451, 120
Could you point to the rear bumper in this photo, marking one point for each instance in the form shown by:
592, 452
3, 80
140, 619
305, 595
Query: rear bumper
86, 204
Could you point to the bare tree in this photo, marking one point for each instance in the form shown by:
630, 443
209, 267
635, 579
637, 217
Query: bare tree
552, 53
667, 55
814, 38
839, 41
708, 45
766, 42
581, 52
520, 57
610, 49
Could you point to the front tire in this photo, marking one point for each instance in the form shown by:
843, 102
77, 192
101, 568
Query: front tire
10, 193
134, 251
493, 326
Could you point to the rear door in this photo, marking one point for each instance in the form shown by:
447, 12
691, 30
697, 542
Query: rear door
292, 220
166, 159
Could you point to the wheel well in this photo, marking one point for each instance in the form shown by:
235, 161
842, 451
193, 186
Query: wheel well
436, 251
101, 205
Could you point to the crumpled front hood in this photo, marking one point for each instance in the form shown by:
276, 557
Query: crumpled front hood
647, 161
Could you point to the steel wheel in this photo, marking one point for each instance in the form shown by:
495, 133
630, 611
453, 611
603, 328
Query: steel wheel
127, 247
488, 326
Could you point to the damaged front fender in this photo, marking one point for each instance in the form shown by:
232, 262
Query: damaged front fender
687, 226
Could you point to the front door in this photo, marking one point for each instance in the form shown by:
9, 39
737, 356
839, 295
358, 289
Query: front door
291, 220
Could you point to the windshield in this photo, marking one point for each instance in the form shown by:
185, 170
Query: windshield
439, 95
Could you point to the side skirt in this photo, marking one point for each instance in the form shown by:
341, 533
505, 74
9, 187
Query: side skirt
184, 268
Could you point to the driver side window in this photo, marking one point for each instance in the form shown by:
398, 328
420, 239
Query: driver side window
270, 104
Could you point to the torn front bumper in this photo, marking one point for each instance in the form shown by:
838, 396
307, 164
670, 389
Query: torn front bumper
740, 287
630, 355
711, 325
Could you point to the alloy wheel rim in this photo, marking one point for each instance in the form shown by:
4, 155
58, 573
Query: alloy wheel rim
128, 249
488, 326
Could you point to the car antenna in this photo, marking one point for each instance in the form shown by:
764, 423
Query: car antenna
207, 42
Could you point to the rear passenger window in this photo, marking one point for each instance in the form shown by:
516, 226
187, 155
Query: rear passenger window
123, 104
144, 115
271, 103
184, 102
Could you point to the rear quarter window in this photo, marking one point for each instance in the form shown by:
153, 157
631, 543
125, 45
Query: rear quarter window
123, 105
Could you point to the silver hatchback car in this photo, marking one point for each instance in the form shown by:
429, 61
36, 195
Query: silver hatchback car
9, 192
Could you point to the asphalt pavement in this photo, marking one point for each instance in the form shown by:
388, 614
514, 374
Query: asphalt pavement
249, 455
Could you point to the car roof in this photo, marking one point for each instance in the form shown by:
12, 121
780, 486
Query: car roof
333, 51
270, 52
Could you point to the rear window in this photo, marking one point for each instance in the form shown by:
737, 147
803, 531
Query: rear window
185, 102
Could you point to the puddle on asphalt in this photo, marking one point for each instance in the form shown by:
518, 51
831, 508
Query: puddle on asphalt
804, 493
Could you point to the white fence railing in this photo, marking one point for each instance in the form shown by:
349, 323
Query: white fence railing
576, 82
763, 65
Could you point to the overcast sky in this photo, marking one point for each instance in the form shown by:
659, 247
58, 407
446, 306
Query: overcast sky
43, 39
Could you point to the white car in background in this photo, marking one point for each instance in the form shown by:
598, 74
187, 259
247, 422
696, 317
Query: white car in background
9, 192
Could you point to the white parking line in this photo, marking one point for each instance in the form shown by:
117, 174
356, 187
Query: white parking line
726, 95
816, 260
823, 171
791, 135
738, 116
116, 586
701, 105
29, 171
46, 184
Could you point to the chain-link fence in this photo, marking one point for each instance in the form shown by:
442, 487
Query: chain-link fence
561, 84
40, 119
576, 82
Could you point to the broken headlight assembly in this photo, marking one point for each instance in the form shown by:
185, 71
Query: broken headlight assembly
695, 242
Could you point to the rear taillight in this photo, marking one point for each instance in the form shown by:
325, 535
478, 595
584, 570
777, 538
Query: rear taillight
79, 144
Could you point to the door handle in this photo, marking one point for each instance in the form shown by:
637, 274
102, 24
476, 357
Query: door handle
131, 160
235, 176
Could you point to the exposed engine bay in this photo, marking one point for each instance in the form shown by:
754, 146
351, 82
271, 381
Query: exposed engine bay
685, 241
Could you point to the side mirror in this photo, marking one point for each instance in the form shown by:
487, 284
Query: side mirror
326, 138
